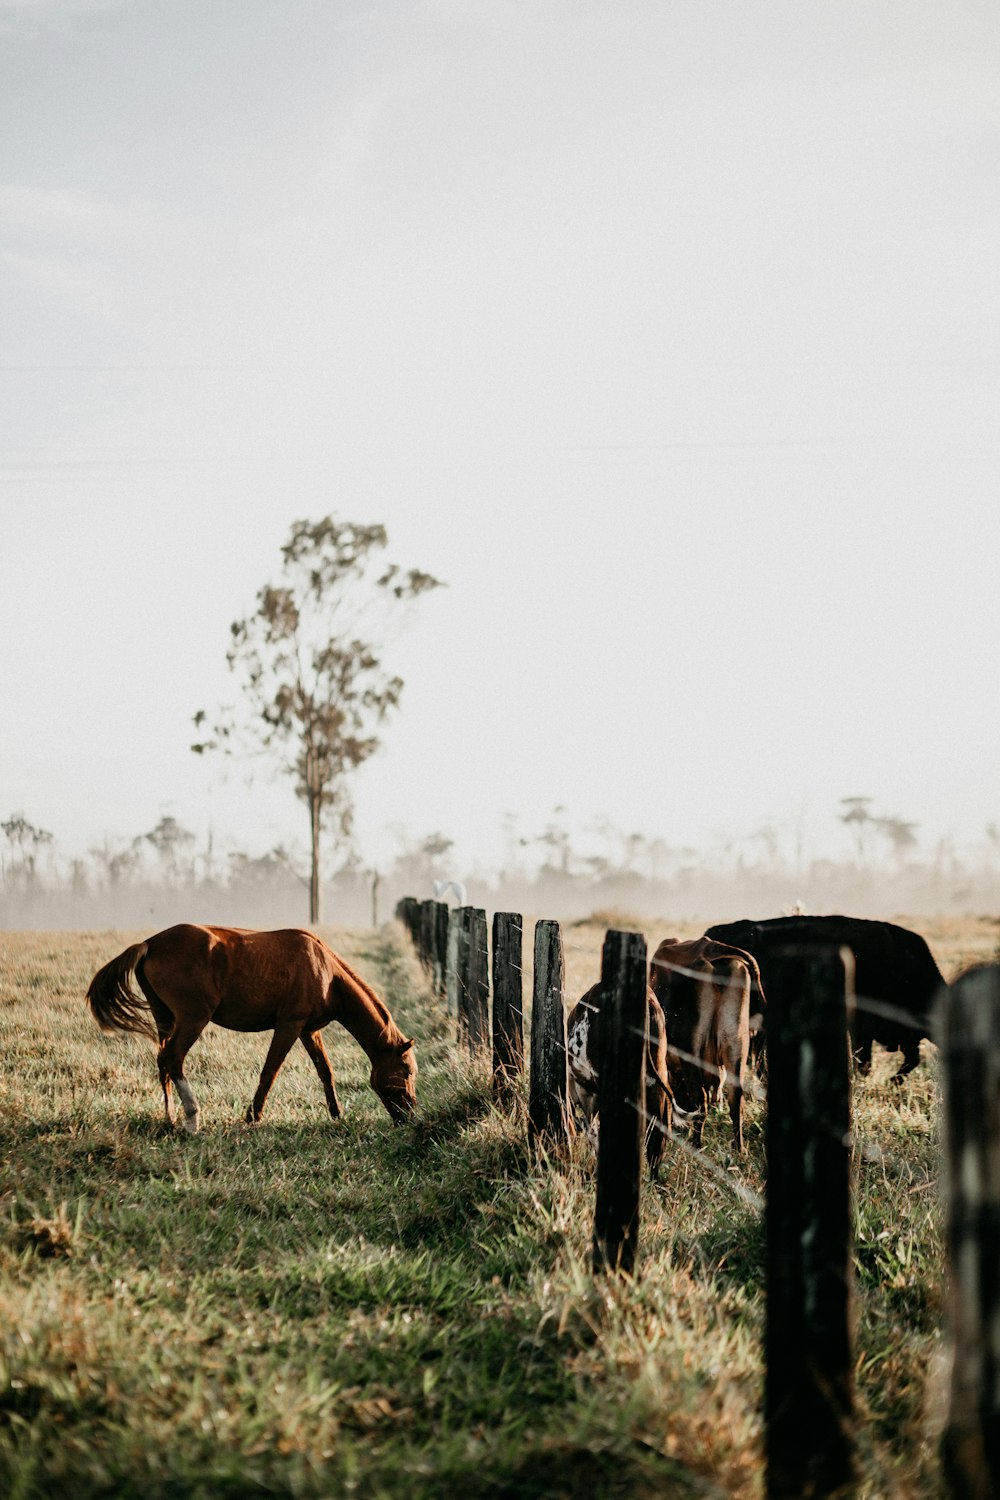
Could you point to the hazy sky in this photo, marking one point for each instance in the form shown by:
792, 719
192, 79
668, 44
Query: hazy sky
665, 332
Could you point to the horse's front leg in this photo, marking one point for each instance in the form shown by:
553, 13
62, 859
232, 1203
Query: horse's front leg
313, 1043
282, 1041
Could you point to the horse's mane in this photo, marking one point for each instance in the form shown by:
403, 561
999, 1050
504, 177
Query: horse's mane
390, 1031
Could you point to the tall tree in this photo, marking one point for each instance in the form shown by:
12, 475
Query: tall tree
25, 841
170, 841
856, 814
901, 834
308, 660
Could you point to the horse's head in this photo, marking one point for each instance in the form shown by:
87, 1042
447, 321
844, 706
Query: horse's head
393, 1077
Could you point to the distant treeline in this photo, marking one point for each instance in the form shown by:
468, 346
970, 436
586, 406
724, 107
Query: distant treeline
166, 876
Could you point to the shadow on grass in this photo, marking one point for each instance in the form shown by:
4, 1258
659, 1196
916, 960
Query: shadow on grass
555, 1470
734, 1252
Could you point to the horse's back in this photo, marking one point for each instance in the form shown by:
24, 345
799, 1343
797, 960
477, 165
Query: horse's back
242, 979
194, 942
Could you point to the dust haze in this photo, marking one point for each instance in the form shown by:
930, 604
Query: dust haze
169, 875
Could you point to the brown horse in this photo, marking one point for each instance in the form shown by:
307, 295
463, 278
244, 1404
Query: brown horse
251, 981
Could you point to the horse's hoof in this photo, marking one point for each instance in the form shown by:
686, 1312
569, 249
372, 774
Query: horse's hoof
191, 1123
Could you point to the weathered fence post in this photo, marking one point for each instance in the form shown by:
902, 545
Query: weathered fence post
429, 935
621, 1101
478, 981
548, 1094
508, 1003
453, 965
809, 1397
462, 919
441, 947
428, 918
404, 912
970, 1052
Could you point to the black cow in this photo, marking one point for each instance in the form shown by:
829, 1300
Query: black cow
895, 976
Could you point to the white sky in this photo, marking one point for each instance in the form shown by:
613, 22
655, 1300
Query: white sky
665, 332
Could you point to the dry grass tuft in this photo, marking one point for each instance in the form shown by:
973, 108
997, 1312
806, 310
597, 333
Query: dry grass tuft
53, 1236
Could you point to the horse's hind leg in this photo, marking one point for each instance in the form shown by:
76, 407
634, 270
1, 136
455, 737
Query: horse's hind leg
282, 1041
168, 1109
172, 1054
164, 1019
313, 1043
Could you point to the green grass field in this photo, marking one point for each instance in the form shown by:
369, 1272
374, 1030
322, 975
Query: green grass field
308, 1308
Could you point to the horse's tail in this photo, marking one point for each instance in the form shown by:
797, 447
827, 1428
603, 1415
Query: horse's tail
113, 1003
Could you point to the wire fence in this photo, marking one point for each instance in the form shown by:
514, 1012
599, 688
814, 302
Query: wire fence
813, 1022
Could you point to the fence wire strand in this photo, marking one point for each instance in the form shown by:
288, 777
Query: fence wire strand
754, 1087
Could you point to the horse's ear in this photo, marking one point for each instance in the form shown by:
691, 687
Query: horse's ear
405, 1046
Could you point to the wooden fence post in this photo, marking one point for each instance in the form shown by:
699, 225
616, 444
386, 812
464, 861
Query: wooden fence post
425, 918
463, 924
508, 1003
441, 946
809, 1395
621, 1101
404, 913
548, 1095
429, 935
478, 983
970, 1053
453, 964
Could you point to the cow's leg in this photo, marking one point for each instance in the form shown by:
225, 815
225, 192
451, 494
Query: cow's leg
172, 1054
313, 1043
734, 1097
698, 1115
282, 1042
654, 1129
659, 1119
911, 1057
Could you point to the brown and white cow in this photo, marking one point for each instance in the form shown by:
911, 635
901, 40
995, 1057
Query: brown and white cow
583, 1044
704, 989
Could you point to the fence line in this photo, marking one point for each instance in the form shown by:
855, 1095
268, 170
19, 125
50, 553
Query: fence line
811, 1437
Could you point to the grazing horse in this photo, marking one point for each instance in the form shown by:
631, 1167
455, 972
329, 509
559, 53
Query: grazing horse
251, 981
